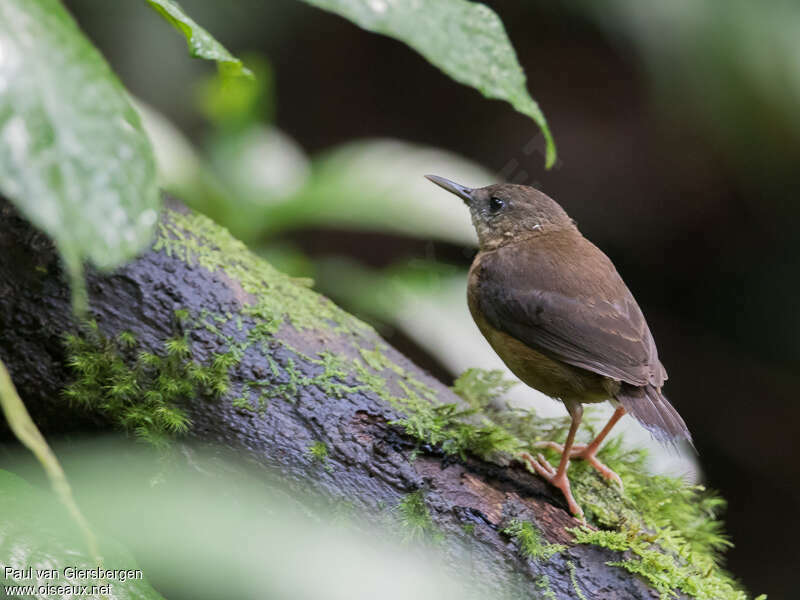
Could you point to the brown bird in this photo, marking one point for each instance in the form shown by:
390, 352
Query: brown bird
554, 308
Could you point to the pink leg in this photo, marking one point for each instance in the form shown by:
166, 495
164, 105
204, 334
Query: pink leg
589, 452
558, 477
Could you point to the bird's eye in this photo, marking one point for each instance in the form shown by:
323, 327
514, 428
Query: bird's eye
496, 204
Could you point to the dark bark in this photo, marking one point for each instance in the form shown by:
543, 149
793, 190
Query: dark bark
370, 463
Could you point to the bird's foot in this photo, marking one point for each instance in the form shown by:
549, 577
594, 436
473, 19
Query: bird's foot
546, 471
587, 453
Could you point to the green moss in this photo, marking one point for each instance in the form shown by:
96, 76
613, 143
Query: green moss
530, 542
671, 528
457, 428
667, 572
543, 584
478, 387
139, 392
415, 519
574, 580
318, 452
126, 339
196, 239
445, 426
674, 525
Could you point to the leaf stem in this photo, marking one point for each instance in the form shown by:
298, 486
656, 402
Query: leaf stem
26, 431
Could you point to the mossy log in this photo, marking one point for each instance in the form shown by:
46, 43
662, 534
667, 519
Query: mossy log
253, 360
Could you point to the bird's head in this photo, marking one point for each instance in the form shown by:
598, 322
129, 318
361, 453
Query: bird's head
505, 212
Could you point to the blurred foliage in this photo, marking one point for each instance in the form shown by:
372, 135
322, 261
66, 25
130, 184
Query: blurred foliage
235, 102
204, 526
22, 425
730, 65
36, 532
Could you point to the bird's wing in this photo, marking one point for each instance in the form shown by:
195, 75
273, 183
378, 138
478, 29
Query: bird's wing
579, 312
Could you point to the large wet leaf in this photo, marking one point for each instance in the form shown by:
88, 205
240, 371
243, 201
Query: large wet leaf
464, 39
37, 534
201, 43
73, 155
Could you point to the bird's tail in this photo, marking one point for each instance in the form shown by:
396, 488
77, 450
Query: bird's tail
648, 406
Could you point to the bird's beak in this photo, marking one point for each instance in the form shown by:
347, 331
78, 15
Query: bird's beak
459, 190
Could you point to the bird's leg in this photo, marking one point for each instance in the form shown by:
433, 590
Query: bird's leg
589, 452
558, 477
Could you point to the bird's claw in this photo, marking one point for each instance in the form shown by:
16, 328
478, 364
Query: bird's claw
546, 471
539, 465
605, 471
582, 452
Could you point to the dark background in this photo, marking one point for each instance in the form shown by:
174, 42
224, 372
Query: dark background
681, 171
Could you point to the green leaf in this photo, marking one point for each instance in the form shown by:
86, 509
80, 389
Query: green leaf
35, 532
73, 155
464, 39
201, 43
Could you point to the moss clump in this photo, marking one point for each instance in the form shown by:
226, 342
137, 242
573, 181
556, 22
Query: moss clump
665, 571
530, 541
415, 520
464, 429
574, 580
318, 452
139, 391
670, 527
195, 239
543, 585
479, 388
444, 426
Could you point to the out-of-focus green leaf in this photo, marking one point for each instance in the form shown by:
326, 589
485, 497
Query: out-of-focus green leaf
36, 533
181, 170
260, 167
178, 164
73, 156
201, 43
464, 39
378, 185
246, 172
233, 102
212, 528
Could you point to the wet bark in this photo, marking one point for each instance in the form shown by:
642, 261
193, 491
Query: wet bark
370, 462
